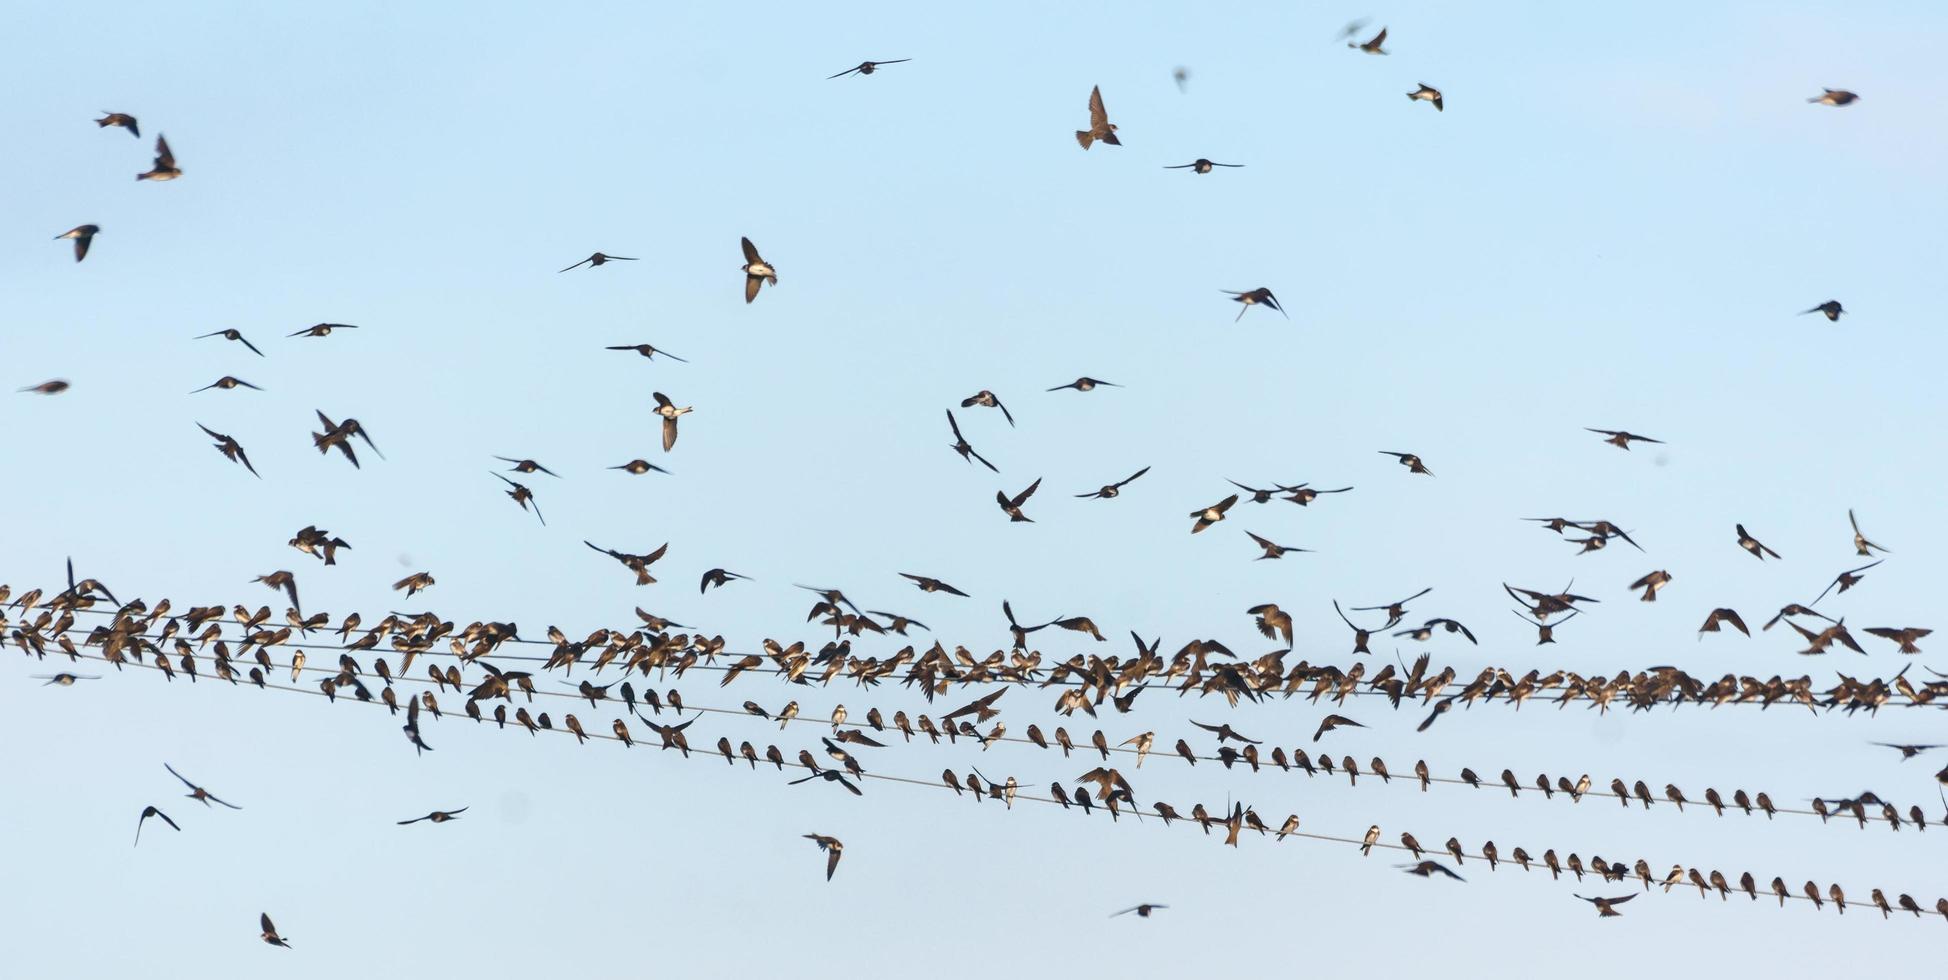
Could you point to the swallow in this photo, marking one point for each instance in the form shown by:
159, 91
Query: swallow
1203, 166
1331, 722
635, 563
719, 578
270, 931
83, 236
598, 259
339, 434
1255, 297
1272, 550
121, 119
527, 466
1621, 439
926, 584
322, 329
196, 792
437, 816
1086, 383
1142, 911
1907, 751
637, 467
1109, 490
1652, 583
53, 387
1100, 128
832, 848
1372, 837
1846, 580
1208, 516
670, 413
831, 776
1427, 93
1395, 611
1905, 637
523, 496
1861, 545
1011, 506
963, 447
165, 166
230, 449
1723, 615
1410, 461
1372, 46
1545, 632
231, 334
1831, 309
1606, 907
151, 811
1751, 544
414, 584
756, 271
1834, 97
65, 679
1428, 869
1425, 631
1225, 732
867, 68
986, 399
648, 351
1180, 75
282, 580
228, 383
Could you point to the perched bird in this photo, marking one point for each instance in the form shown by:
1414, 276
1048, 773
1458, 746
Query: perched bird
1109, 490
1831, 309
598, 259
1201, 166
1834, 97
1621, 439
151, 811
231, 334
83, 236
1086, 383
670, 413
270, 931
986, 399
439, 816
121, 119
1142, 911
1410, 461
867, 68
1371, 46
1752, 544
1372, 837
756, 271
963, 447
1011, 506
1207, 516
1427, 93
1247, 300
165, 166
196, 792
1100, 128
1606, 907
1861, 545
833, 849
230, 448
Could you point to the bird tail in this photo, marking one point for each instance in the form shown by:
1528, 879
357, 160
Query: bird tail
1085, 138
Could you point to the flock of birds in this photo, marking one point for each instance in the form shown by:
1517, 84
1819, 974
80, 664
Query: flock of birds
198, 639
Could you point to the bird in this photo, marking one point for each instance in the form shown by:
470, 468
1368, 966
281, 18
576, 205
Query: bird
523, 496
1207, 516
670, 413
1371, 46
339, 434
1831, 309
1861, 545
414, 584
1011, 506
756, 271
648, 351
1427, 93
598, 259
437, 816
868, 67
64, 679
637, 467
1200, 166
1905, 637
53, 387
151, 811
1100, 128
1651, 583
1606, 907
228, 383
231, 334
832, 847
165, 166
230, 449
926, 584
1272, 550
1751, 544
1331, 722
1723, 615
270, 931
1142, 911
1907, 751
1428, 869
282, 580
1180, 75
83, 236
196, 792
527, 466
1834, 97
986, 399
719, 578
1410, 461
1086, 383
322, 329
635, 563
1261, 295
1395, 611
121, 119
963, 447
1621, 439
1845, 580
1109, 490
1372, 837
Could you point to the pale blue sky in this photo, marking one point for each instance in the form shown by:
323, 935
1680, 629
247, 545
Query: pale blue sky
1614, 224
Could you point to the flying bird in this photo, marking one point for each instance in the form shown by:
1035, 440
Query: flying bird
1752, 544
414, 584
1427, 93
270, 931
83, 236
437, 816
230, 448
832, 846
1371, 46
756, 271
1011, 506
1272, 550
1200, 165
1207, 516
599, 259
1142, 911
53, 387
196, 792
121, 119
322, 329
670, 413
1861, 545
526, 466
638, 467
523, 496
648, 351
1606, 907
231, 334
1253, 298
963, 447
1410, 461
1331, 722
1907, 751
867, 68
1621, 439
719, 578
1845, 580
1100, 128
1428, 869
228, 383
151, 811
987, 399
1109, 490
635, 563
1835, 97
165, 166
1831, 309
1723, 615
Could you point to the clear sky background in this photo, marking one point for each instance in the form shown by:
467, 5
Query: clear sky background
1615, 225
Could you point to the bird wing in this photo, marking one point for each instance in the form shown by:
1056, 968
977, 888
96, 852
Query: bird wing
1098, 116
751, 284
750, 251
669, 434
